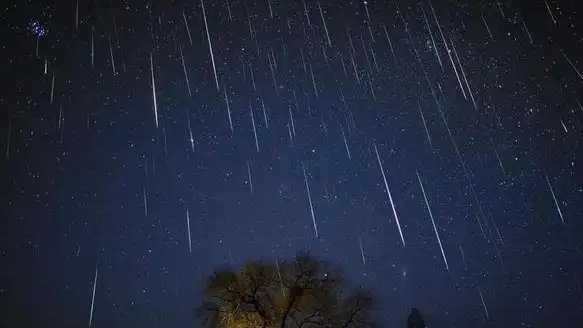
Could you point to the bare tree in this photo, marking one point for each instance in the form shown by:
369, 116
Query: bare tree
302, 293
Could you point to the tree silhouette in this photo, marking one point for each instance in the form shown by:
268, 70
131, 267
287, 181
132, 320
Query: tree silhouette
302, 293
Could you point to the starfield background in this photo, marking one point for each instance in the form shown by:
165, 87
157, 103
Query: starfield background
432, 149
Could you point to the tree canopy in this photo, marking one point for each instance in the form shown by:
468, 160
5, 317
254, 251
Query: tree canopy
302, 293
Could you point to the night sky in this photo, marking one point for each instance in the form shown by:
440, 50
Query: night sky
430, 148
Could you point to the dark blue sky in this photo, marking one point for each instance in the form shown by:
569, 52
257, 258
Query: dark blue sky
95, 174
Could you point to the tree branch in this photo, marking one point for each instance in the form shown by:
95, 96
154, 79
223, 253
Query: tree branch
291, 302
307, 320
